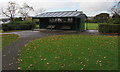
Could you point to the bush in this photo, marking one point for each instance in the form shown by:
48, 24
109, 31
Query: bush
114, 21
21, 25
18, 19
109, 28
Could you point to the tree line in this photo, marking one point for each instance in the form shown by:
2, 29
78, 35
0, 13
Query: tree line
106, 18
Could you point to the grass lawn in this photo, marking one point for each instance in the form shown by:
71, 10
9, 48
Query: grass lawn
91, 26
13, 31
1, 31
71, 52
6, 39
37, 26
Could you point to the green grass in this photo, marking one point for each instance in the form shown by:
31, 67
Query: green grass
7, 39
1, 31
37, 26
91, 26
71, 52
13, 31
0, 42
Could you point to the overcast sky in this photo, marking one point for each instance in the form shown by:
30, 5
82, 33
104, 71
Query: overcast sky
89, 7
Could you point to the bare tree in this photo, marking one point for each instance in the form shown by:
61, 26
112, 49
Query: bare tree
116, 8
25, 9
11, 10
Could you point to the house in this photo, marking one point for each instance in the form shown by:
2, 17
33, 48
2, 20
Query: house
70, 20
90, 18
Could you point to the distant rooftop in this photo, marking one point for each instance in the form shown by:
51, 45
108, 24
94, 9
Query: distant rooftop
61, 14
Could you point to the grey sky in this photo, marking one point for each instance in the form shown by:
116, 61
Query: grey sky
89, 7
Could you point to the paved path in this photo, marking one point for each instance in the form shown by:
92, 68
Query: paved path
10, 54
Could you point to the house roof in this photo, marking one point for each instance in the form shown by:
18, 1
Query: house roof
60, 14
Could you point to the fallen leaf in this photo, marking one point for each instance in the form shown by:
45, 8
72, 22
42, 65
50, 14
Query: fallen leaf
4, 55
47, 63
82, 68
19, 68
31, 64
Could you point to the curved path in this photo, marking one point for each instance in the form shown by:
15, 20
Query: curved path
10, 54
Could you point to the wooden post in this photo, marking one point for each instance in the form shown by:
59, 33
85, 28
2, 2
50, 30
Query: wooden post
51, 28
76, 24
86, 26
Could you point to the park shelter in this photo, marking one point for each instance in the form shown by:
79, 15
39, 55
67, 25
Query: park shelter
70, 20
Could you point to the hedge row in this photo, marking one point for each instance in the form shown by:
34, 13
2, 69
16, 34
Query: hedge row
109, 28
114, 21
20, 25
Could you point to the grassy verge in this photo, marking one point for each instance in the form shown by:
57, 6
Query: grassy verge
13, 31
7, 39
71, 52
1, 31
0, 42
91, 26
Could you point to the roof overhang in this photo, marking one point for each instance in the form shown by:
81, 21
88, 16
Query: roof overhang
63, 14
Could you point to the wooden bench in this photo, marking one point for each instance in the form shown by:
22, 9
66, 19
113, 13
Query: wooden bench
66, 27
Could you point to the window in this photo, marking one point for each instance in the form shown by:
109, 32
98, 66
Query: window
51, 20
61, 20
56, 20
64, 20
70, 20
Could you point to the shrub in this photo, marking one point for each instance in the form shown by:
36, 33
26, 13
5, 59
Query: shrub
21, 25
114, 21
18, 19
109, 28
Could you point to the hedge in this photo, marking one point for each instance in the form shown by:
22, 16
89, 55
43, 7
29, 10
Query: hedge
109, 28
114, 21
20, 25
